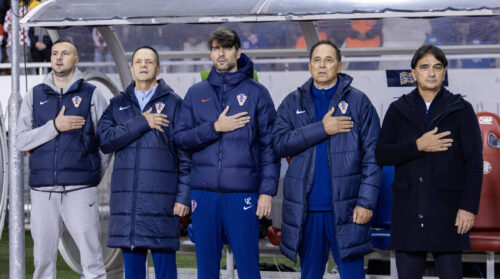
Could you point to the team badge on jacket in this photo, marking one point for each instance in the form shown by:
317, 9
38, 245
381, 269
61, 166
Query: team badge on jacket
76, 101
241, 99
343, 107
159, 107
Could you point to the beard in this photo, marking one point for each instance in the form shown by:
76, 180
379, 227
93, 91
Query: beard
228, 67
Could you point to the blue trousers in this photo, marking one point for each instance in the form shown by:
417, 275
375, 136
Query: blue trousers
318, 238
135, 263
231, 214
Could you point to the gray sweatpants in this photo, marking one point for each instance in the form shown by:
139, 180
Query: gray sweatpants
79, 212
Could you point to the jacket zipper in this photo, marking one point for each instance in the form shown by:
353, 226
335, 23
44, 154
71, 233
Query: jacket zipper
134, 200
220, 141
57, 139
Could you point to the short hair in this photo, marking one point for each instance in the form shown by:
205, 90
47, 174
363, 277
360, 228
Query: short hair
64, 40
150, 48
337, 50
428, 49
225, 38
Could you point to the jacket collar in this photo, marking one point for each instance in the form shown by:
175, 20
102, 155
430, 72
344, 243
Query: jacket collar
305, 91
161, 90
74, 85
245, 71
407, 106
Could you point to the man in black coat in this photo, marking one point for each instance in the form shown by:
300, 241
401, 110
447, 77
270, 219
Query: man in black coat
432, 137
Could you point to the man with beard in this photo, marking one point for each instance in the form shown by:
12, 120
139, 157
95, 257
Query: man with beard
57, 125
225, 123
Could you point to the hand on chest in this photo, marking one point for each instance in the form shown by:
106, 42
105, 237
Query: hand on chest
210, 107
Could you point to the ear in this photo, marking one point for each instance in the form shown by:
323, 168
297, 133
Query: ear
77, 58
158, 70
413, 74
341, 66
238, 53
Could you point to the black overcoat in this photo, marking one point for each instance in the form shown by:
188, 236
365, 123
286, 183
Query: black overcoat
430, 187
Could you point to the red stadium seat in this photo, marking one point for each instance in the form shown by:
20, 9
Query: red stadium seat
485, 234
274, 235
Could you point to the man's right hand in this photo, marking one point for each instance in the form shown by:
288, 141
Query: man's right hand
65, 123
156, 120
230, 123
434, 142
336, 124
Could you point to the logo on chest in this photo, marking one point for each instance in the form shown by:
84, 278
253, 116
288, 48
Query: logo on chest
241, 99
159, 107
76, 101
343, 107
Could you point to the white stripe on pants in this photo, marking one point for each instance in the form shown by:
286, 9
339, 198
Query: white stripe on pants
79, 210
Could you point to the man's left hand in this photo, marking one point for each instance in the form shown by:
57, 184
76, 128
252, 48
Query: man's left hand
464, 221
180, 209
264, 206
361, 215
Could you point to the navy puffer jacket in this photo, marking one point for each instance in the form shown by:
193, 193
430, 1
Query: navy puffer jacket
239, 161
355, 175
149, 173
71, 158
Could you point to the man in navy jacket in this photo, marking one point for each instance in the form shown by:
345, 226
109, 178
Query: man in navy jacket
329, 129
225, 123
149, 180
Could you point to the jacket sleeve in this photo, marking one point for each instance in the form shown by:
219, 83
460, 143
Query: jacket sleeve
113, 136
188, 134
472, 150
371, 173
27, 137
289, 140
389, 150
269, 161
184, 161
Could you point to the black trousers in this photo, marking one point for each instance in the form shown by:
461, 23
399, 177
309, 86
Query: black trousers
411, 264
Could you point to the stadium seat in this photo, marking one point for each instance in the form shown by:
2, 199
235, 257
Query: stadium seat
485, 234
274, 235
381, 221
